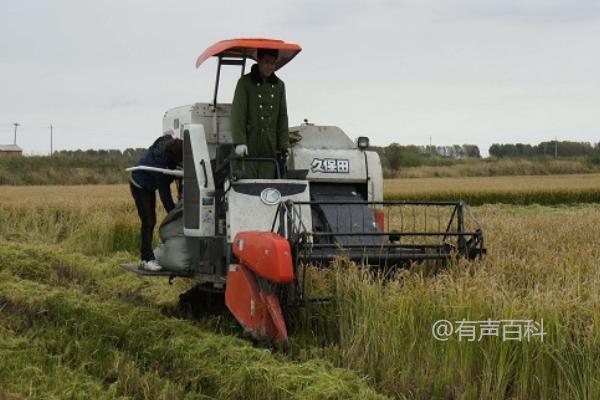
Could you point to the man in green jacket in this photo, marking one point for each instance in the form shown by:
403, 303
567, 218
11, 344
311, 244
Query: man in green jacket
259, 120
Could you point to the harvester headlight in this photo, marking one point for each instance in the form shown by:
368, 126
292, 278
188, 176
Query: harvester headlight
362, 142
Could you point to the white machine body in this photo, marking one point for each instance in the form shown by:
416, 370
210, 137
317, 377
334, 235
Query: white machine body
213, 120
253, 203
198, 182
326, 152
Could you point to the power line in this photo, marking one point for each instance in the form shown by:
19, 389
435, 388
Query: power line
81, 131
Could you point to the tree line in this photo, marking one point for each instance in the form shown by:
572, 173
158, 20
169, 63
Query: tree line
127, 154
551, 148
396, 156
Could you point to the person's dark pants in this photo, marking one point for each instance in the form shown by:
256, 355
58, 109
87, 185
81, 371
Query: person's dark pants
145, 201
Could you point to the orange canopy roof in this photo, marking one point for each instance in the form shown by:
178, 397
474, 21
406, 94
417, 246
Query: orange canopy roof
247, 46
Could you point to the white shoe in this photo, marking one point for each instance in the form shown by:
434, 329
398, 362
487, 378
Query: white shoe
151, 265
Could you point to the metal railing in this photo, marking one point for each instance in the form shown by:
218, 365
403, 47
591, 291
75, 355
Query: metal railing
412, 231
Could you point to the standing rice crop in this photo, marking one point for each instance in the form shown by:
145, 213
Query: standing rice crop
86, 323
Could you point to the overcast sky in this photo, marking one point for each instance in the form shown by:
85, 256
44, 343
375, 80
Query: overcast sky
104, 72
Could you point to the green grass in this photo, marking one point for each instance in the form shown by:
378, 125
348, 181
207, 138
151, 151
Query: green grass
90, 230
92, 329
90, 170
499, 167
63, 170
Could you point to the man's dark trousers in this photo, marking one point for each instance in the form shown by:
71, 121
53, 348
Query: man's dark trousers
145, 201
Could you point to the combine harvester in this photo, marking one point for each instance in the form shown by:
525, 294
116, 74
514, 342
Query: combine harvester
253, 238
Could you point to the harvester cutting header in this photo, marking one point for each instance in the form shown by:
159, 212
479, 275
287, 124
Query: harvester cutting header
250, 222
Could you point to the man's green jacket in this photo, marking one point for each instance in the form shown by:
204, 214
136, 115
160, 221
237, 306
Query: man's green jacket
259, 120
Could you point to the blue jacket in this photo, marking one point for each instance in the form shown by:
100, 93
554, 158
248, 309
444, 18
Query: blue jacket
156, 156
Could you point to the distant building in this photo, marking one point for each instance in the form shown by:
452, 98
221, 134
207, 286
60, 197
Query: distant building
10, 150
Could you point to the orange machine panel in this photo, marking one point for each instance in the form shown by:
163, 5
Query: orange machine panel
266, 253
258, 312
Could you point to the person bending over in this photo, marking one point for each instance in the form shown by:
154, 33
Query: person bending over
165, 152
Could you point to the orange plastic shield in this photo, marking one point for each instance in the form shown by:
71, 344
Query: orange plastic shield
258, 312
266, 253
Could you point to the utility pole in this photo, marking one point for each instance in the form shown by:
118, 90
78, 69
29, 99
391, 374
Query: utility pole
51, 152
430, 147
16, 124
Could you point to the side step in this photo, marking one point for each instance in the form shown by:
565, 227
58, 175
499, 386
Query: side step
165, 272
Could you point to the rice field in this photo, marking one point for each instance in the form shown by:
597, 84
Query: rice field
525, 189
494, 183
499, 167
73, 325
522, 190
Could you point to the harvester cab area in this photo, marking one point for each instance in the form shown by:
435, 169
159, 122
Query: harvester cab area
253, 238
